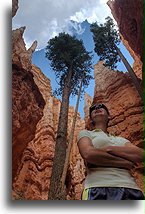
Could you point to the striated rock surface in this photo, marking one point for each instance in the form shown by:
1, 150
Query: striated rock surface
27, 101
138, 64
27, 107
77, 170
129, 17
88, 102
35, 169
34, 172
20, 55
116, 90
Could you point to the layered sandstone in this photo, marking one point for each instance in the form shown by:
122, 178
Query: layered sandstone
116, 90
138, 64
27, 108
88, 102
129, 17
35, 169
77, 171
20, 55
27, 101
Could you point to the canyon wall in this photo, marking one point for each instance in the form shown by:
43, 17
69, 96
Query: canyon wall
27, 101
129, 17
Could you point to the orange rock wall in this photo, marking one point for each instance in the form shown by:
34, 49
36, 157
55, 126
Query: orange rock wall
27, 101
129, 17
138, 64
35, 167
77, 170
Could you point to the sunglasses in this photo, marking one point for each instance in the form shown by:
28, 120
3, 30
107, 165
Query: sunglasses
97, 106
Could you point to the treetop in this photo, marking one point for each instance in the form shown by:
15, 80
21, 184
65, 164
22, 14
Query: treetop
67, 53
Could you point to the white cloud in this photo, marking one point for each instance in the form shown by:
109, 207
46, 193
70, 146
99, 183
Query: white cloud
45, 19
75, 25
93, 12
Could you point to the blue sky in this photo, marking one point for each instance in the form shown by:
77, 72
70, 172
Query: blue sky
42, 62
44, 21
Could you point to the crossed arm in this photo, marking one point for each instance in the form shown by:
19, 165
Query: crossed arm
110, 156
128, 152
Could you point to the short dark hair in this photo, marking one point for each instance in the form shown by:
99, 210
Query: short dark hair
94, 106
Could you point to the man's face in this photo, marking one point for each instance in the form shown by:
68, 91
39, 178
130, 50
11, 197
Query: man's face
99, 113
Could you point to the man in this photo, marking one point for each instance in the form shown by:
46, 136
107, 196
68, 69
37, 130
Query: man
108, 159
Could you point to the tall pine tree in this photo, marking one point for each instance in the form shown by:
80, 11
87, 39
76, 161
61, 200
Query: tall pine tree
106, 39
70, 62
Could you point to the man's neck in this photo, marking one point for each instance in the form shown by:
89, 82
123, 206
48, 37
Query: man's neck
101, 126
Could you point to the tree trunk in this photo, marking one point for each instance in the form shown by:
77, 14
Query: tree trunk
131, 73
70, 140
55, 190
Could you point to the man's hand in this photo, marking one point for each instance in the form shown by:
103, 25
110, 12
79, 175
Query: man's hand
128, 152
